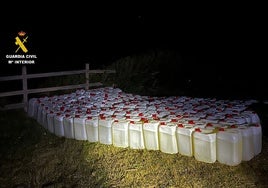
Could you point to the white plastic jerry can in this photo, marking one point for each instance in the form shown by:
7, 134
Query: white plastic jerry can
68, 126
36, 104
257, 137
120, 133
45, 111
254, 118
92, 128
204, 145
39, 113
167, 138
80, 127
50, 121
136, 137
105, 130
184, 139
58, 125
247, 142
150, 131
229, 146
31, 107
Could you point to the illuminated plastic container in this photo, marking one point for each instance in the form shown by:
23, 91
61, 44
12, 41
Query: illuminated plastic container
247, 140
150, 131
92, 128
204, 145
257, 138
184, 139
58, 125
229, 147
36, 106
120, 133
105, 130
44, 117
254, 118
50, 121
31, 107
68, 125
136, 137
40, 114
167, 138
80, 127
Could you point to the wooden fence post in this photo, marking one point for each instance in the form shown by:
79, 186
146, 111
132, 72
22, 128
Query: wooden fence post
25, 87
87, 76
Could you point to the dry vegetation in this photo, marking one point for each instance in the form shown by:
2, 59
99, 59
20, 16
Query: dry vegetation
32, 157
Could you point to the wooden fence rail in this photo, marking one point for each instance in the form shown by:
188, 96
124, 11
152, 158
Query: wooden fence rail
25, 91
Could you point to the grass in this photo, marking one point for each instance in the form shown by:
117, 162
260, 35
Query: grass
32, 157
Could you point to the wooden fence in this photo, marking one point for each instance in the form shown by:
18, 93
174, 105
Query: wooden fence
25, 91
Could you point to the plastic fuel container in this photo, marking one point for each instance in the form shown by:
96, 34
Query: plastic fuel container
229, 146
167, 138
204, 145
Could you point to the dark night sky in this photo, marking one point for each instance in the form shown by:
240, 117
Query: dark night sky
230, 41
99, 38
83, 36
